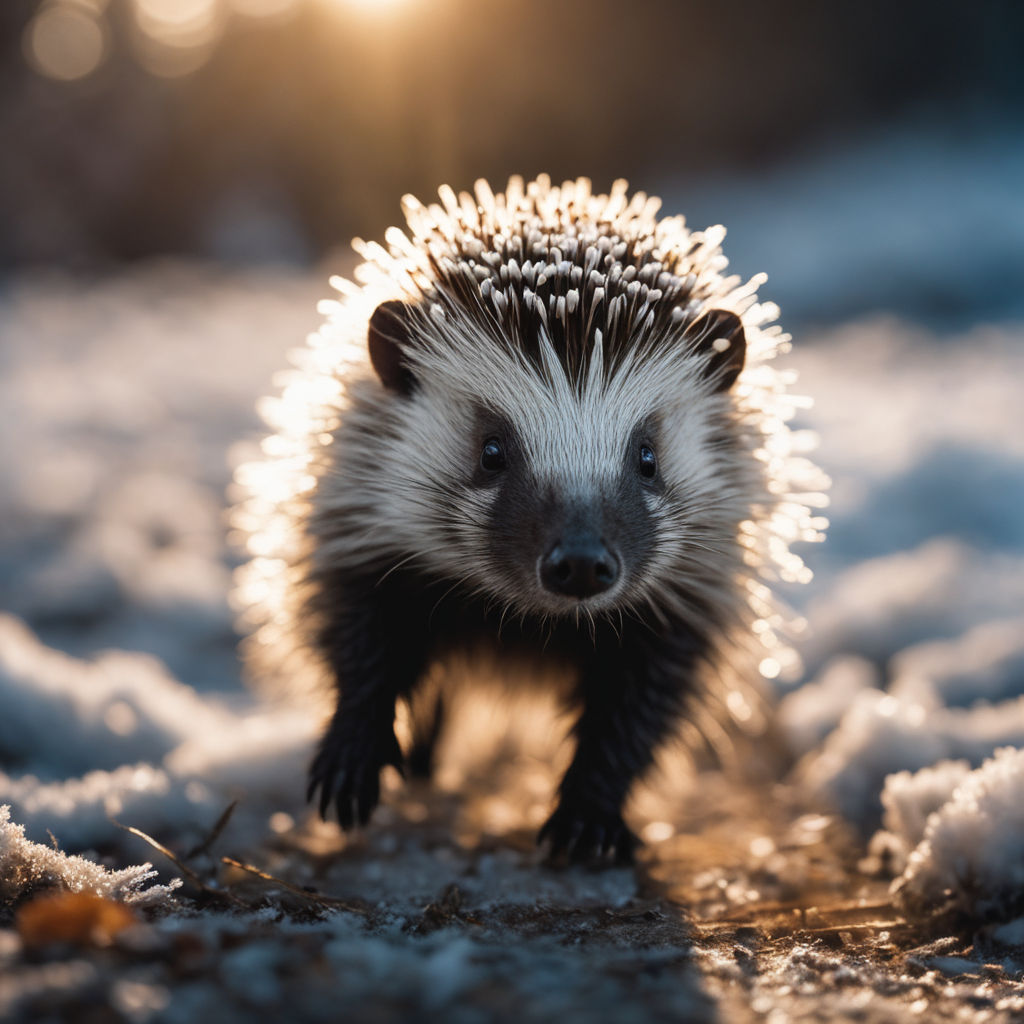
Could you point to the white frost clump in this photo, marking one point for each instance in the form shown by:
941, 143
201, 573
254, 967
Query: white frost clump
909, 799
971, 859
26, 865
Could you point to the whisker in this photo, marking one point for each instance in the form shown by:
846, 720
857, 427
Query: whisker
397, 566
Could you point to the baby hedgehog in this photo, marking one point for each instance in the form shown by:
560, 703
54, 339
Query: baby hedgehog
542, 425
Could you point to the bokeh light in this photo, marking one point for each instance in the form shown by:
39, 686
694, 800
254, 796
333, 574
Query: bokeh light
263, 8
66, 41
176, 37
371, 6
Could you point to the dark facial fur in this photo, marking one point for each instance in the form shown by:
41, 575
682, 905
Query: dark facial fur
576, 545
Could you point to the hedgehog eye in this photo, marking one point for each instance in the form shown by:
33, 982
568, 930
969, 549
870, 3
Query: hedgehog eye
492, 457
648, 464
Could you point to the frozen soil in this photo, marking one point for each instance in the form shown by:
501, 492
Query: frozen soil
753, 910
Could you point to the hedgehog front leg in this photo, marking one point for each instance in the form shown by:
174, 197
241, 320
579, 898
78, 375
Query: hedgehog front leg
633, 697
372, 667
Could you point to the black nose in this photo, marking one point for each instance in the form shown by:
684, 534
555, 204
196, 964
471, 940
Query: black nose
580, 568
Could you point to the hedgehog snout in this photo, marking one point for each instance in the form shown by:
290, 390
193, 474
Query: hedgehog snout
579, 566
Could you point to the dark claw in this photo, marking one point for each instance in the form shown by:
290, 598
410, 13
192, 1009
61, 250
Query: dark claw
347, 774
321, 775
343, 805
325, 780
325, 798
626, 846
580, 834
368, 795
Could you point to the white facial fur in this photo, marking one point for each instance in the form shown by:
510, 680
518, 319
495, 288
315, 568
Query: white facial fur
421, 500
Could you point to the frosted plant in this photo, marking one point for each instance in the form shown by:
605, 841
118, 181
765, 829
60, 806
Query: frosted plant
25, 866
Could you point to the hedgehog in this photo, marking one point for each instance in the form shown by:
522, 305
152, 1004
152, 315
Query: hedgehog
541, 426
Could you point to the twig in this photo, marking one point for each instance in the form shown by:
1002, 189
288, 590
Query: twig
214, 834
185, 870
312, 897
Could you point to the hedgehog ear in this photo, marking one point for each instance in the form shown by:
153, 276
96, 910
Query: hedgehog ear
388, 337
719, 334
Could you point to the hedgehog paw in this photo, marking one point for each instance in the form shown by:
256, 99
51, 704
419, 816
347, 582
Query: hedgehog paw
578, 833
347, 774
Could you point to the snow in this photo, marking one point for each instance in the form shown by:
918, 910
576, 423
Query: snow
969, 859
117, 736
909, 799
881, 734
809, 713
119, 400
915, 646
986, 663
65, 715
939, 589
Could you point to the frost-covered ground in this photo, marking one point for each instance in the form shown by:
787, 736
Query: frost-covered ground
879, 875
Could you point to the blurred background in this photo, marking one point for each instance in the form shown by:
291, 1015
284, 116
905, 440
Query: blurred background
873, 141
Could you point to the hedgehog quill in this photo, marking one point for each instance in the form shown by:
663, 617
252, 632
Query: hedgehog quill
543, 425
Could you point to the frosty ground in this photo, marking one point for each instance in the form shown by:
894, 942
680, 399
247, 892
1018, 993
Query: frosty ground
817, 877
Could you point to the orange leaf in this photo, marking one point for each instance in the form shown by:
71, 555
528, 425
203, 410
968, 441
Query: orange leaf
77, 918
